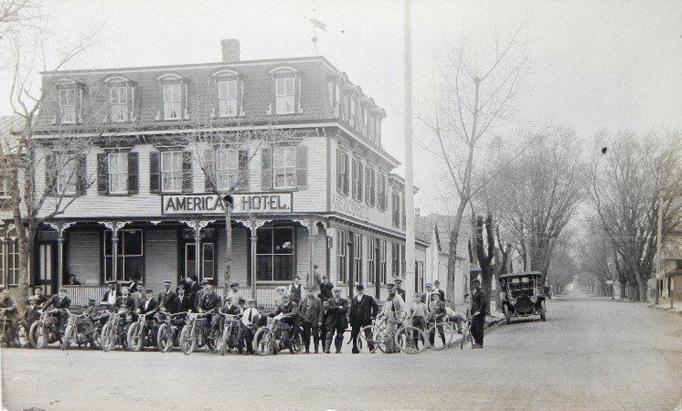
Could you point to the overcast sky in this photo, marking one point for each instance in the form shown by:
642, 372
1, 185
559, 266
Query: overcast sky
595, 64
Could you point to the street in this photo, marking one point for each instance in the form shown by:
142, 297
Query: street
590, 354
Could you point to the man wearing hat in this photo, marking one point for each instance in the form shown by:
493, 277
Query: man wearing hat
394, 312
311, 316
112, 294
249, 320
479, 309
296, 290
234, 293
326, 288
398, 284
363, 309
40, 297
192, 289
199, 296
427, 297
182, 303
147, 304
209, 303
60, 302
167, 297
436, 288
289, 315
336, 321
125, 300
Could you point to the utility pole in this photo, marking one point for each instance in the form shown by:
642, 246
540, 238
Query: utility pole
409, 183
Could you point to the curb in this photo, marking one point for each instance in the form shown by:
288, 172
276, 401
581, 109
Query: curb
489, 325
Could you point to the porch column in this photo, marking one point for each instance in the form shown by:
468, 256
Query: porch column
114, 227
197, 251
253, 230
60, 227
312, 234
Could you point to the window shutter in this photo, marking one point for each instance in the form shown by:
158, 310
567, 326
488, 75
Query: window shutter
81, 174
154, 172
339, 169
133, 173
186, 171
298, 109
266, 169
51, 174
209, 171
301, 166
243, 182
103, 173
368, 185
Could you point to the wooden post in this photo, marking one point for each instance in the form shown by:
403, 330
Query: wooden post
254, 240
197, 250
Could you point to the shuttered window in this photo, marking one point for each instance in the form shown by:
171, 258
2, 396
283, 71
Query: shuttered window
342, 171
357, 179
370, 186
171, 171
118, 173
341, 242
284, 167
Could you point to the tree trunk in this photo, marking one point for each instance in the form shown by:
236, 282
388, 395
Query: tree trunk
643, 289
452, 254
228, 249
622, 288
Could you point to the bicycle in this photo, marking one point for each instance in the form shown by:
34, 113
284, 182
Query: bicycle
466, 331
445, 331
408, 338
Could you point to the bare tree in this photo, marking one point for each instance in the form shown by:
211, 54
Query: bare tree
24, 155
595, 256
492, 256
635, 179
473, 97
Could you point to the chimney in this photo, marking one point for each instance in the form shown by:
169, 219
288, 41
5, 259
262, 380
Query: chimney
230, 50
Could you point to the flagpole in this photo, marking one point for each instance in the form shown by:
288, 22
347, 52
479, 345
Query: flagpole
409, 184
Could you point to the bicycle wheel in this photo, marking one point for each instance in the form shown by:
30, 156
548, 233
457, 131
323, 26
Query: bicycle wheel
441, 336
373, 337
187, 340
411, 340
134, 337
21, 338
224, 340
164, 338
466, 335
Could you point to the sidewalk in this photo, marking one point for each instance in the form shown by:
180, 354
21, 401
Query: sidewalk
666, 307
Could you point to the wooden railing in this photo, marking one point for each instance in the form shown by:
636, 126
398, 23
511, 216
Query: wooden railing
79, 294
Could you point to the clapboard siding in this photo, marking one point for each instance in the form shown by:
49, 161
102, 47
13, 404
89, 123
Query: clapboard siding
84, 255
160, 256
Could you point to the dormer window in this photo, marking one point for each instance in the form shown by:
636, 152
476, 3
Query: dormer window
174, 98
287, 90
172, 101
67, 105
121, 99
227, 98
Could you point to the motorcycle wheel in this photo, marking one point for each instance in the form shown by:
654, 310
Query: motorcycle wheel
66, 339
108, 338
187, 340
134, 337
296, 344
37, 335
224, 340
263, 341
164, 338
21, 339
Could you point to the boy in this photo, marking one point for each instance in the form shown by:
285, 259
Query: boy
249, 320
437, 314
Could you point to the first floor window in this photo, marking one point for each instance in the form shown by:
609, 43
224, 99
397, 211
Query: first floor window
172, 101
395, 259
382, 261
357, 257
118, 173
207, 257
171, 171
341, 241
284, 167
372, 244
13, 262
285, 95
129, 265
275, 254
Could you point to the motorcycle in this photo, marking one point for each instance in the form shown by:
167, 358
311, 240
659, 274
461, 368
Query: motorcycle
231, 333
46, 330
16, 335
141, 333
115, 331
198, 332
169, 330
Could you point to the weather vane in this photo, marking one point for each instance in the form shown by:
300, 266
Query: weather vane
317, 24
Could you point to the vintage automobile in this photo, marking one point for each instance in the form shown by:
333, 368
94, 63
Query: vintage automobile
523, 294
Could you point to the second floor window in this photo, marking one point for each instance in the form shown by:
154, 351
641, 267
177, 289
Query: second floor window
172, 101
284, 167
171, 171
342, 171
341, 241
232, 168
285, 95
228, 101
357, 180
67, 105
370, 186
118, 100
118, 173
66, 174
395, 203
381, 192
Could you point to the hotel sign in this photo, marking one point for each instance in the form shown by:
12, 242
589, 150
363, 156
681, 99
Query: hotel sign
248, 203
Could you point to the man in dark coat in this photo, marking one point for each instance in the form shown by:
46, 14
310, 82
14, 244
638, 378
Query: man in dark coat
436, 288
147, 304
326, 288
398, 288
311, 316
125, 300
167, 297
479, 308
336, 321
296, 290
182, 303
40, 297
363, 309
60, 302
112, 294
210, 303
290, 314
192, 289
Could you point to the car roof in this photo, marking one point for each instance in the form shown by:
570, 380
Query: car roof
524, 274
